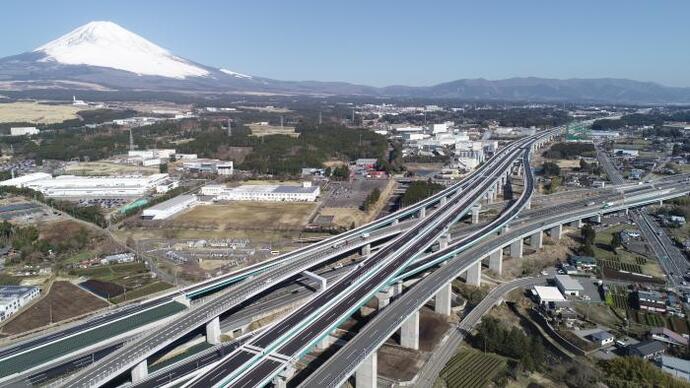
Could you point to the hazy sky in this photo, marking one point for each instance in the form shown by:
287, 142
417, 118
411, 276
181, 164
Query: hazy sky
389, 42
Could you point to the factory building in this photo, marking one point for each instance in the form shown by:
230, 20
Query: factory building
208, 166
94, 186
13, 298
279, 193
170, 207
23, 131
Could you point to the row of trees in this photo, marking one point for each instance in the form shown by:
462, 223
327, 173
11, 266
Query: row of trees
371, 199
493, 336
570, 151
418, 190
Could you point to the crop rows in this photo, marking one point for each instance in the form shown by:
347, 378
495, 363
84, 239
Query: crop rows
471, 369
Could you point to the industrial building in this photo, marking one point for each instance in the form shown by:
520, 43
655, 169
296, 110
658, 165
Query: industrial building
544, 295
208, 166
13, 298
23, 131
88, 186
280, 193
170, 207
568, 285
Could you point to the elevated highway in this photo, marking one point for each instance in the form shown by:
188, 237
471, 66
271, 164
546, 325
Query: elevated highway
129, 356
359, 353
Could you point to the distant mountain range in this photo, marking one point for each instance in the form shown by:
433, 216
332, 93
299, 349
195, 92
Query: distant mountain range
104, 56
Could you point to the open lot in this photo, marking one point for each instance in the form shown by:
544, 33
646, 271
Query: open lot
37, 113
343, 199
248, 215
64, 301
107, 168
266, 130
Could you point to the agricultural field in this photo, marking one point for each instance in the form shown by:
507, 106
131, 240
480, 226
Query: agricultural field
107, 168
622, 259
63, 301
620, 300
248, 215
37, 113
472, 369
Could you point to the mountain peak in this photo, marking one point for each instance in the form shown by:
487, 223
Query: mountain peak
107, 44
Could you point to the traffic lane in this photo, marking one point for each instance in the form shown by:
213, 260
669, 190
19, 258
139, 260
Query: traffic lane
265, 368
11, 350
188, 367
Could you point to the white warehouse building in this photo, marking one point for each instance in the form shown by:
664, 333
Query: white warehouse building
23, 131
80, 186
170, 207
280, 193
13, 298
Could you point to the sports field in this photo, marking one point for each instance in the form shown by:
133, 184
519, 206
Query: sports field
37, 113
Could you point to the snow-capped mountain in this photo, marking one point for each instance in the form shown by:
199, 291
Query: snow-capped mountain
103, 55
106, 44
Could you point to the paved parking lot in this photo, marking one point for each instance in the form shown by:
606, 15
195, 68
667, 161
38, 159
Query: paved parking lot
351, 194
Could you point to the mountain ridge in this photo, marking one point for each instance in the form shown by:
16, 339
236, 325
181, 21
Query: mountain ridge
104, 54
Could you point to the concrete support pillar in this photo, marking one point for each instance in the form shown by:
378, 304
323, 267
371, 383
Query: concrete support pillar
528, 205
395, 222
556, 232
443, 299
367, 374
444, 200
213, 331
443, 242
398, 288
516, 248
576, 224
496, 261
366, 250
409, 332
281, 380
383, 297
490, 196
422, 212
474, 274
536, 240
597, 219
140, 372
475, 214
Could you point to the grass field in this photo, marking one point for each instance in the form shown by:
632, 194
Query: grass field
64, 301
37, 113
105, 168
266, 130
472, 369
249, 215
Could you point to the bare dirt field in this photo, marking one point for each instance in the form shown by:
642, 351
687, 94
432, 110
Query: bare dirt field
266, 130
399, 363
64, 301
250, 215
37, 113
106, 168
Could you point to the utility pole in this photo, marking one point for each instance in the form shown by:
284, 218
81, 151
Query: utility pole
131, 140
353, 117
229, 127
